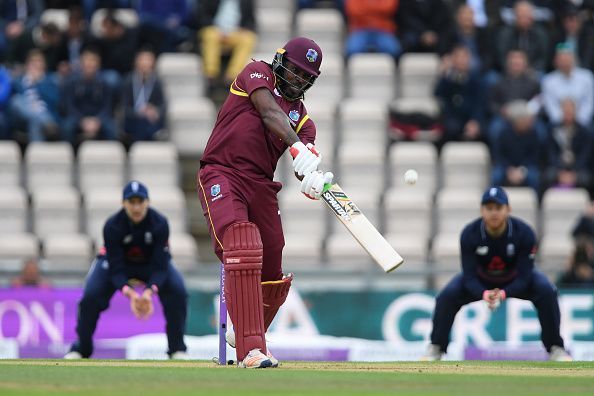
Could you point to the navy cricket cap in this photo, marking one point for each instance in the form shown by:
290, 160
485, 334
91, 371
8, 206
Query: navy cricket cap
135, 189
495, 194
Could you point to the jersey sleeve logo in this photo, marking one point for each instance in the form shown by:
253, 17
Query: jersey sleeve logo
294, 115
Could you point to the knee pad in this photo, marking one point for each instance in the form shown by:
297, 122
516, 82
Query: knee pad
274, 294
242, 259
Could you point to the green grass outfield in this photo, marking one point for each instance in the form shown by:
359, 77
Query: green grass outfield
168, 378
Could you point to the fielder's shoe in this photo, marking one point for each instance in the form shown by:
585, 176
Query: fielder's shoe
73, 355
180, 355
255, 359
273, 360
433, 353
558, 354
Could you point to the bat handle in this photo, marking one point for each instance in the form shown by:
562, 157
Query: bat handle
327, 186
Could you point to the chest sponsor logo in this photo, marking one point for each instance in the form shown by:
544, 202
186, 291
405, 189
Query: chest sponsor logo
511, 249
482, 250
128, 238
294, 115
148, 238
259, 75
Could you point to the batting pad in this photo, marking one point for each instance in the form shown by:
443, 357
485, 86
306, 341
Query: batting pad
242, 255
274, 294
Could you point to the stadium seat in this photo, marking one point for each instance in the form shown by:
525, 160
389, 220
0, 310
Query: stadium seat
98, 205
55, 211
446, 258
323, 114
10, 163
302, 251
330, 86
324, 26
184, 251
408, 211
372, 76
421, 156
299, 213
465, 165
49, 165
68, 252
524, 204
363, 121
14, 210
190, 124
554, 253
101, 164
346, 254
155, 164
561, 209
181, 74
412, 248
361, 168
277, 4
171, 202
456, 207
14, 248
418, 74
274, 29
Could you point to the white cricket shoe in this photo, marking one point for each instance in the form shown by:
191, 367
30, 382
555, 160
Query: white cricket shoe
273, 360
559, 354
73, 355
432, 354
180, 355
255, 359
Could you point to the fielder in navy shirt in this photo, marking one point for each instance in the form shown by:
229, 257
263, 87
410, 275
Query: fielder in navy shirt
136, 249
497, 263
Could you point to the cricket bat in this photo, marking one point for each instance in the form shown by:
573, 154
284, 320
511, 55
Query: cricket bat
361, 228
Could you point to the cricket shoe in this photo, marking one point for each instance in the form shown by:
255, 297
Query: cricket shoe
432, 354
73, 355
180, 355
558, 354
255, 359
273, 360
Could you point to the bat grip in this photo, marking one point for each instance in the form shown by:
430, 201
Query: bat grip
327, 186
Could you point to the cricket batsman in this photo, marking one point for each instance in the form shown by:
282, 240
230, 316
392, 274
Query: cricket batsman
262, 117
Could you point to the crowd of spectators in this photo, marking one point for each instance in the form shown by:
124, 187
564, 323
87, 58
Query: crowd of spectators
515, 74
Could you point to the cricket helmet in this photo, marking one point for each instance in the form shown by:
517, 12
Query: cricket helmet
296, 66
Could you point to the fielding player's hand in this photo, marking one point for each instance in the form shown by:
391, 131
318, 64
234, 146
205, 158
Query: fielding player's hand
494, 297
145, 305
312, 184
305, 158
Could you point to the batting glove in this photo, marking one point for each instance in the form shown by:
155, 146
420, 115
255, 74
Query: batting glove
312, 185
305, 158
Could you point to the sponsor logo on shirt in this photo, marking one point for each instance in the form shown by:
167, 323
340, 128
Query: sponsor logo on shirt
511, 249
259, 75
128, 238
482, 250
294, 115
148, 238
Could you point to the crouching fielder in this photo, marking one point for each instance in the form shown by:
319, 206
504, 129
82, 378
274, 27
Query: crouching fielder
262, 117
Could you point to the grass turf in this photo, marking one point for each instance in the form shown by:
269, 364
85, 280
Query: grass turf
105, 377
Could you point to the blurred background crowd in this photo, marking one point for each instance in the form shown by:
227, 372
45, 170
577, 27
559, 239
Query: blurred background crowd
514, 77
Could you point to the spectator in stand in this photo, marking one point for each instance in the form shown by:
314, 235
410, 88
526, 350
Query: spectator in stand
516, 157
461, 96
17, 16
526, 36
164, 24
34, 105
568, 82
143, 100
485, 12
90, 6
46, 37
30, 276
5, 92
88, 103
372, 27
544, 11
580, 271
423, 25
584, 229
117, 45
518, 83
476, 39
74, 40
227, 26
577, 35
569, 149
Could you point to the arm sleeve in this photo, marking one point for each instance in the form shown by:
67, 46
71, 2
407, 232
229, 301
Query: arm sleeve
160, 259
115, 257
469, 278
524, 265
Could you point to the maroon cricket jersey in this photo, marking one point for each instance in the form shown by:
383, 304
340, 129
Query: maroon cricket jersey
240, 140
